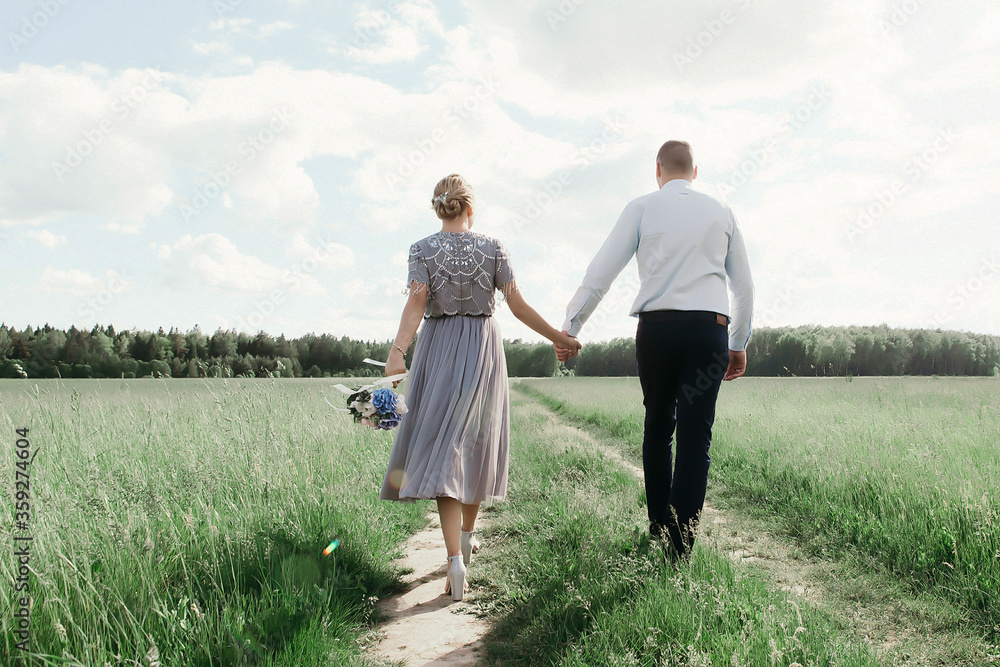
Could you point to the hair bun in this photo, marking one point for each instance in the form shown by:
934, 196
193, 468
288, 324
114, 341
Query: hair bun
451, 196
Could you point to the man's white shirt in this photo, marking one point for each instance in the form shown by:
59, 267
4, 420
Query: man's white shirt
686, 245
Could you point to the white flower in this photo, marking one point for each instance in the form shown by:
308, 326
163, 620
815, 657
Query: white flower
401, 405
368, 409
357, 405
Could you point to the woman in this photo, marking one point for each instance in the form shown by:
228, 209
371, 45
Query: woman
452, 444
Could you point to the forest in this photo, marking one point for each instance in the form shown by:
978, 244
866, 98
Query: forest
804, 351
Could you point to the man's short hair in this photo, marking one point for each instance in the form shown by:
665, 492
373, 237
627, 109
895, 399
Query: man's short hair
675, 157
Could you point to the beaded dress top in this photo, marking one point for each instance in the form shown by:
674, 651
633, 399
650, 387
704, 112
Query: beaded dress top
462, 272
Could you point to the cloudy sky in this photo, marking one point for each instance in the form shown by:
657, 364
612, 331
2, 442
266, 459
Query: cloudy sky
265, 165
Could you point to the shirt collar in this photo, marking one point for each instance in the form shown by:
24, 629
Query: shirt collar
676, 184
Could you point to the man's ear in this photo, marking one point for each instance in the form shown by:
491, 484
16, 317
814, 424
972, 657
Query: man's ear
658, 170
695, 174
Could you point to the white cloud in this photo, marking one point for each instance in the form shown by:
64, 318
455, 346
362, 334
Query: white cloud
235, 26
983, 35
398, 43
326, 254
557, 67
392, 33
270, 29
77, 282
212, 261
208, 48
92, 153
114, 145
358, 288
47, 238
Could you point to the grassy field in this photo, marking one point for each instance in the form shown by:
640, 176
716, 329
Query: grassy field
902, 471
569, 578
183, 522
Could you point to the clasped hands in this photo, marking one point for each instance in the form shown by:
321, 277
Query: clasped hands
568, 348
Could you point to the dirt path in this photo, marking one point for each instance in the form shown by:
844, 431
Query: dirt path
425, 626
903, 629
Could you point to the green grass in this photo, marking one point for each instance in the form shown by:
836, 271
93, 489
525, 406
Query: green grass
572, 579
901, 470
191, 515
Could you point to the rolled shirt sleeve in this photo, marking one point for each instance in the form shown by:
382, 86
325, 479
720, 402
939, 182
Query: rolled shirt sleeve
616, 252
741, 285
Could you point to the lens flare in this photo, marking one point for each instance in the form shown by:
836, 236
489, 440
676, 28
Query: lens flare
398, 478
330, 547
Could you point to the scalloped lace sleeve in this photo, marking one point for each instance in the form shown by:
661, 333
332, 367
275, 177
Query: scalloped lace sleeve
504, 276
418, 275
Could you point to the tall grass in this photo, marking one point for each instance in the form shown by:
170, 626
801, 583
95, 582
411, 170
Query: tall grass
573, 582
183, 523
902, 470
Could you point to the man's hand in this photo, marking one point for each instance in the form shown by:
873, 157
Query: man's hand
564, 353
737, 364
567, 348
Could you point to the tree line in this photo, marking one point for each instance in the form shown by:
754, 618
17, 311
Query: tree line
103, 352
815, 351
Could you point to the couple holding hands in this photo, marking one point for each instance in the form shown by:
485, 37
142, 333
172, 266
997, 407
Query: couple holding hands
453, 444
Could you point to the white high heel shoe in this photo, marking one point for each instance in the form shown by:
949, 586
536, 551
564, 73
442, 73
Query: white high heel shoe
456, 578
470, 545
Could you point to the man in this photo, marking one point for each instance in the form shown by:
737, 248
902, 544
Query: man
686, 245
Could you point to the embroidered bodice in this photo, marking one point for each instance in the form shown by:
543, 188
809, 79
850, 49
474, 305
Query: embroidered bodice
462, 271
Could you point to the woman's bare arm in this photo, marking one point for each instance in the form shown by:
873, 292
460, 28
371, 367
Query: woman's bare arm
413, 313
522, 311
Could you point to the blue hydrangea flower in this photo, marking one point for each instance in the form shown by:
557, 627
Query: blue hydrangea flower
384, 400
388, 421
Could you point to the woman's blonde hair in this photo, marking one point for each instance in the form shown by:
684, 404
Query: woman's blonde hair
451, 196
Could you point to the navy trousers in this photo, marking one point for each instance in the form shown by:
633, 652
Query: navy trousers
681, 365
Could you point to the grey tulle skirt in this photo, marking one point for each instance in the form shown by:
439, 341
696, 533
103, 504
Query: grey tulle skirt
454, 439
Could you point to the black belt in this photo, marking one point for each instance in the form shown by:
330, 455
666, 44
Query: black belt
683, 315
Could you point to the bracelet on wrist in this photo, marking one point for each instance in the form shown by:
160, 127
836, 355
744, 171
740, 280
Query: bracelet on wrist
400, 349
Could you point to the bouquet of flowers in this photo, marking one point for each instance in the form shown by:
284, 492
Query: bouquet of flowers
374, 405
380, 408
